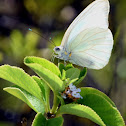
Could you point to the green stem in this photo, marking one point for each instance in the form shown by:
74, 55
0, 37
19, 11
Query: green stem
47, 99
55, 103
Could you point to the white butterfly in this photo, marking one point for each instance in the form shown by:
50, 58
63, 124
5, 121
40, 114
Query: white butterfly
88, 41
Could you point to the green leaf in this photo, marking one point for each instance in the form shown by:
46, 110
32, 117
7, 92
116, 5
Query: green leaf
61, 67
44, 63
72, 73
82, 111
29, 99
63, 77
58, 121
102, 105
44, 88
68, 66
81, 76
52, 80
19, 77
41, 84
71, 81
40, 120
88, 90
61, 100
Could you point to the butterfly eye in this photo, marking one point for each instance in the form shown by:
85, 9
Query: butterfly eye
57, 49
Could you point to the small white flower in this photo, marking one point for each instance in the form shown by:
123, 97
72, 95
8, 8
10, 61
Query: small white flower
64, 96
81, 97
68, 91
78, 90
72, 92
76, 95
72, 87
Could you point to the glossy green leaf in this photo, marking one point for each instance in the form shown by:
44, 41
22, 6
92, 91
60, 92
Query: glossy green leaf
89, 90
40, 120
61, 100
68, 66
81, 76
19, 77
45, 90
72, 73
72, 81
61, 67
41, 84
58, 121
82, 111
102, 105
51, 79
63, 77
28, 98
44, 63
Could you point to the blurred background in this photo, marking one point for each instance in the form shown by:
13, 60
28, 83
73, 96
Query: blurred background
50, 18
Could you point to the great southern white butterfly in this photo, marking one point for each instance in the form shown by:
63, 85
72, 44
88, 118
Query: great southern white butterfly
88, 41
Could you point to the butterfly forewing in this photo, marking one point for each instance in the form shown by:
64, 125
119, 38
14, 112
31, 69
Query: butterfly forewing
95, 15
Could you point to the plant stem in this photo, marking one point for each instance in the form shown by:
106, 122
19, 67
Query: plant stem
55, 103
47, 99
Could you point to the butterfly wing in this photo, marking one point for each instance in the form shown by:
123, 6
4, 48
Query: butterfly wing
91, 48
88, 38
95, 15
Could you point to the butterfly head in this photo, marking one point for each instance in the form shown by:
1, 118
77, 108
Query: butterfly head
58, 49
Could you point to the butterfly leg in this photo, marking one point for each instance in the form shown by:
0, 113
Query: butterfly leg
52, 57
55, 56
65, 63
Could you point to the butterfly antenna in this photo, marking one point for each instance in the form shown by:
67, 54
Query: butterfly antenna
52, 40
42, 37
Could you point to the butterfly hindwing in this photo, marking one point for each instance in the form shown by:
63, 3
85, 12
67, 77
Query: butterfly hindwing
92, 48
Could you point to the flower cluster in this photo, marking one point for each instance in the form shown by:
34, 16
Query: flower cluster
72, 92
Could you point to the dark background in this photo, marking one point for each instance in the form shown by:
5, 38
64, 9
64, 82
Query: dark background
50, 18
